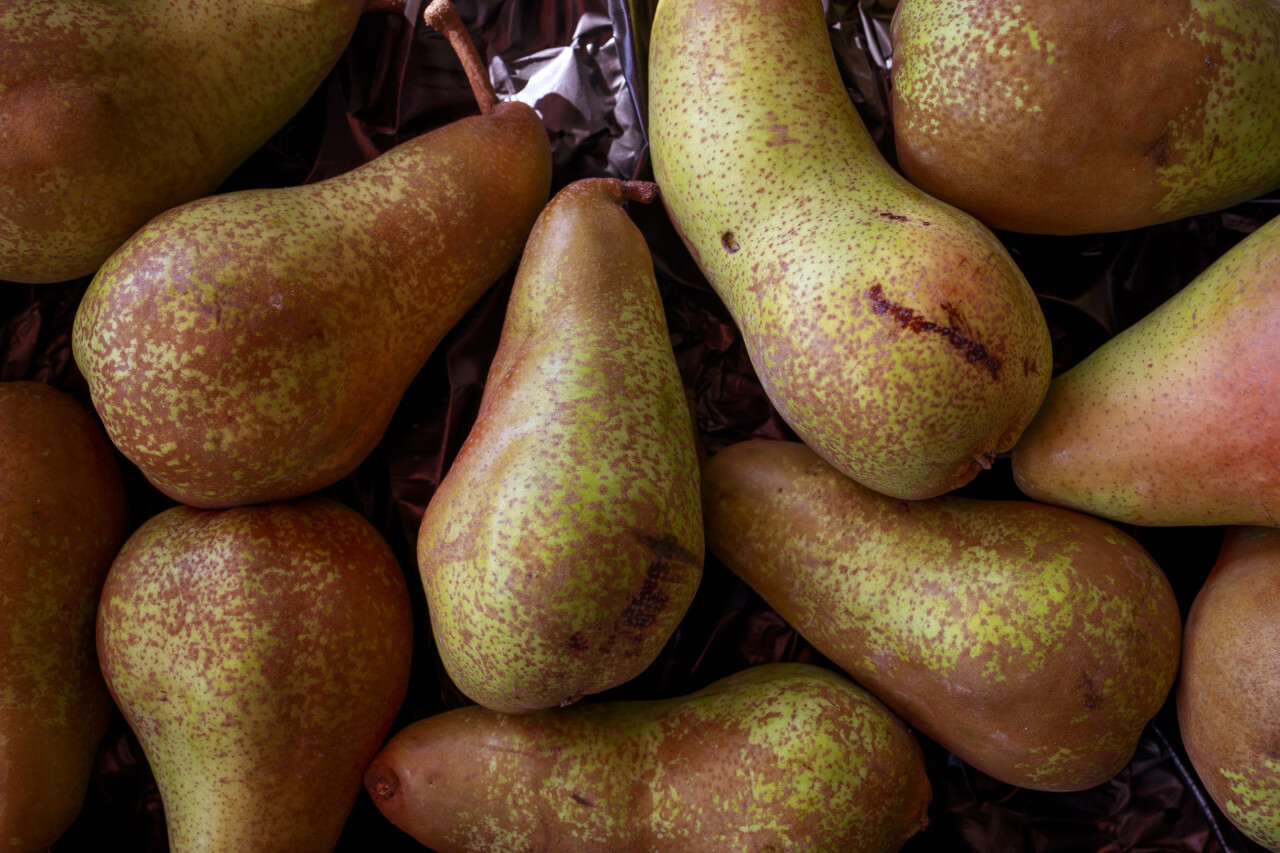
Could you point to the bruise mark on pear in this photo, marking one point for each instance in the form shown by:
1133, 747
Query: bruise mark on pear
956, 333
652, 599
1092, 695
667, 547
1159, 150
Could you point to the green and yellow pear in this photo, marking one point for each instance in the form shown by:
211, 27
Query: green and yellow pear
1087, 116
112, 112
892, 332
784, 757
565, 543
62, 520
1174, 421
260, 654
1033, 642
1229, 686
252, 347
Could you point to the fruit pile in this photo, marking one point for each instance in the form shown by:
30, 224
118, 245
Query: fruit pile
561, 480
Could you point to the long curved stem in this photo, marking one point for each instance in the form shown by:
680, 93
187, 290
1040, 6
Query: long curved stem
441, 15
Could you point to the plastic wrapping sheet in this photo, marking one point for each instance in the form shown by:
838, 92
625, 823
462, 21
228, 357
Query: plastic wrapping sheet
581, 63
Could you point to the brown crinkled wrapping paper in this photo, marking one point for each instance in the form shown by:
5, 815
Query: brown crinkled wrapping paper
581, 64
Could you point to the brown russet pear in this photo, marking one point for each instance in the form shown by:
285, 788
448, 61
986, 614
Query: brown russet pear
1175, 420
565, 542
1087, 116
892, 332
62, 520
1228, 694
252, 346
111, 113
1031, 641
260, 654
783, 757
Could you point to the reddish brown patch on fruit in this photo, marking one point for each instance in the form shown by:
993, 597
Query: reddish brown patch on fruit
955, 333
652, 599
647, 604
1159, 150
1092, 696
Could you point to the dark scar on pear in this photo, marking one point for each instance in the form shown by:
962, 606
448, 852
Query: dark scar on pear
906, 318
647, 604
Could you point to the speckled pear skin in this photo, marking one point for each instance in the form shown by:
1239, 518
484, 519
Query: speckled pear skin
260, 654
783, 757
1228, 689
565, 543
62, 520
113, 112
1174, 421
251, 347
1032, 642
892, 332
1076, 118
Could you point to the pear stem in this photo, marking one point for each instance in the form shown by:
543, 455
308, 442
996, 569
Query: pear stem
642, 191
394, 6
441, 15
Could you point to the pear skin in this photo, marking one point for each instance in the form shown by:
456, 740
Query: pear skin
62, 520
780, 757
114, 112
565, 542
1096, 115
1033, 642
260, 654
251, 347
892, 332
1229, 685
1173, 422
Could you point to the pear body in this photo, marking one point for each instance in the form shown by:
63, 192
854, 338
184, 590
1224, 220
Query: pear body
260, 654
62, 520
565, 542
251, 347
112, 112
1229, 686
1173, 421
1033, 642
783, 757
1077, 118
892, 332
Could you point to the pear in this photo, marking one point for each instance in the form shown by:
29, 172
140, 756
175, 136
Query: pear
892, 332
1173, 421
252, 347
1229, 687
62, 520
260, 654
1095, 115
780, 757
565, 542
111, 113
1032, 642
